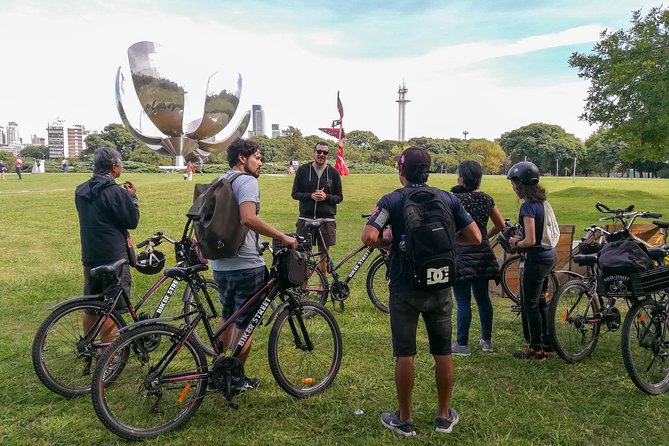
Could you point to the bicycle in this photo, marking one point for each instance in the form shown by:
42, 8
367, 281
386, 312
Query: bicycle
63, 355
510, 274
339, 290
141, 390
580, 308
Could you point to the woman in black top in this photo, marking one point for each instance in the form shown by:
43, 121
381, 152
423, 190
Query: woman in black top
477, 265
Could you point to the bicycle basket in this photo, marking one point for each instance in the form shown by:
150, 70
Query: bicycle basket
625, 286
291, 263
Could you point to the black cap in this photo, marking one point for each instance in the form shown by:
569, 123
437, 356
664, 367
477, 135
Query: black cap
414, 157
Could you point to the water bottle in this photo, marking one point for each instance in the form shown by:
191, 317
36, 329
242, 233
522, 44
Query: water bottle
403, 243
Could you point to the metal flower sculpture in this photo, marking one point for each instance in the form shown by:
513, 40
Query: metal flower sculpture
162, 101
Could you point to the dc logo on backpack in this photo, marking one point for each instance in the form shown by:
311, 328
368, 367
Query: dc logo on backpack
430, 238
437, 276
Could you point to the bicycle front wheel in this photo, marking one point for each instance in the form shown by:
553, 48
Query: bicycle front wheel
575, 327
200, 335
157, 390
644, 346
305, 352
510, 272
377, 284
63, 361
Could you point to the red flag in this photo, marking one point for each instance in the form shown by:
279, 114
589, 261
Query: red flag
340, 107
340, 164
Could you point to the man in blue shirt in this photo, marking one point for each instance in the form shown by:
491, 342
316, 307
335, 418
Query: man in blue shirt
407, 303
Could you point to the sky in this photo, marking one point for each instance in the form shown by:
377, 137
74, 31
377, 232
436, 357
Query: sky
485, 67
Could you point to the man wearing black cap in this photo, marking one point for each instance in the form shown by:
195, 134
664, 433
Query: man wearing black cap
407, 302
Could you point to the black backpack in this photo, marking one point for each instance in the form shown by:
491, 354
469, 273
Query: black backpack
215, 214
623, 257
430, 238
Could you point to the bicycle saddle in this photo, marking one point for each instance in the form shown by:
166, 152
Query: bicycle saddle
657, 254
585, 259
104, 270
661, 224
313, 224
183, 273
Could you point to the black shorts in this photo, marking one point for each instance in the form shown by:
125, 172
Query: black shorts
328, 229
435, 307
96, 286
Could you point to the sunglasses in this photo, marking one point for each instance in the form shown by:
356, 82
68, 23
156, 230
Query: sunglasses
322, 152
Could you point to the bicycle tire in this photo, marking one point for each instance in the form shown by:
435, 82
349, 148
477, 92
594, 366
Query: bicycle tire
61, 363
574, 336
643, 343
510, 280
200, 334
377, 283
301, 372
129, 407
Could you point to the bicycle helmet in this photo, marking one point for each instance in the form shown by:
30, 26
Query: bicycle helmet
150, 262
524, 172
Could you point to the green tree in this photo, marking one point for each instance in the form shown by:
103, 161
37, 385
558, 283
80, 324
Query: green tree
487, 153
603, 154
629, 84
363, 139
148, 156
115, 136
297, 149
543, 144
41, 152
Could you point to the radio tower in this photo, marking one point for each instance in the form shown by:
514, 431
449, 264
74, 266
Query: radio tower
402, 110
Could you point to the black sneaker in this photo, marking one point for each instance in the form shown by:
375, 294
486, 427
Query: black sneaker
391, 420
444, 425
249, 384
531, 354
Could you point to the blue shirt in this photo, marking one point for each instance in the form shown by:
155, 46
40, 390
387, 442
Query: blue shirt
535, 210
389, 211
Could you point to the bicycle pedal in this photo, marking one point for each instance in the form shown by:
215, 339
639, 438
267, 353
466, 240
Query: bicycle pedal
515, 308
232, 404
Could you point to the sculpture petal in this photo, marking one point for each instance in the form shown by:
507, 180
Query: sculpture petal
151, 141
220, 146
220, 106
162, 100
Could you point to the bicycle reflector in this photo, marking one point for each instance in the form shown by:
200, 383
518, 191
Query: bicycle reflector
150, 262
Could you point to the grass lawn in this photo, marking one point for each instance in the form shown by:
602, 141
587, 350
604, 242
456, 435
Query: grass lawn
500, 400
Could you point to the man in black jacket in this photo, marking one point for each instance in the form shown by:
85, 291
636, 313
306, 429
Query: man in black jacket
106, 212
317, 186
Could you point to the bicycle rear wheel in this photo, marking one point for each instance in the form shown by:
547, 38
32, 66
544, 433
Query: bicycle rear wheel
62, 360
200, 334
316, 287
510, 272
575, 328
377, 283
305, 352
644, 346
141, 402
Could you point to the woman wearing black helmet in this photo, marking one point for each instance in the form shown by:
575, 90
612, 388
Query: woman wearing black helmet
536, 262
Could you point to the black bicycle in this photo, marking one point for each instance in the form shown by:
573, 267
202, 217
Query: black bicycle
579, 309
154, 377
338, 290
64, 353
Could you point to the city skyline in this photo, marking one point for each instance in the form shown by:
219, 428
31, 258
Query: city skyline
485, 68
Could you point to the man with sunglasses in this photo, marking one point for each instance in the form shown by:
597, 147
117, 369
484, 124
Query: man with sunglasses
317, 186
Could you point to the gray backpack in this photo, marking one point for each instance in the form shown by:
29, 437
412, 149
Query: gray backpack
215, 215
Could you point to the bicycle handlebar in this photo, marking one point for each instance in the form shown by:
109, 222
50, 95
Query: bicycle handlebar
604, 209
156, 239
366, 215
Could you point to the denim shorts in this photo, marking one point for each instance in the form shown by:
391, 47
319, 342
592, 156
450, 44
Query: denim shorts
236, 287
435, 307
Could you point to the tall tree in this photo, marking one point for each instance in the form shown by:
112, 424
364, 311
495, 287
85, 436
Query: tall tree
544, 144
364, 139
41, 152
487, 153
115, 136
629, 90
603, 153
296, 147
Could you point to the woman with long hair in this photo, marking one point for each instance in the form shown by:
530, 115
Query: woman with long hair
536, 262
477, 265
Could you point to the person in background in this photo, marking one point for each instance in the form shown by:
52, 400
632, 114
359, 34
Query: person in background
477, 265
190, 170
64, 165
3, 169
18, 165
